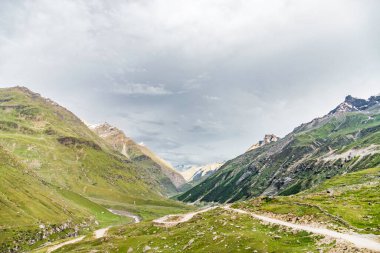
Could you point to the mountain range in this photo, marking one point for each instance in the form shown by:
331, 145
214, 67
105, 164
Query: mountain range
195, 174
345, 140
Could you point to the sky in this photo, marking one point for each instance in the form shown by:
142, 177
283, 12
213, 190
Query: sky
196, 81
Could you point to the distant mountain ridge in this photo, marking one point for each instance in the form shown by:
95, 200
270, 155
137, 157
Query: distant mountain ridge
141, 155
199, 173
345, 140
352, 104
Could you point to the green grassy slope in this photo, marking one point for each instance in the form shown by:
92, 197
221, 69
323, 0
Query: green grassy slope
309, 155
75, 172
215, 231
350, 201
55, 144
29, 202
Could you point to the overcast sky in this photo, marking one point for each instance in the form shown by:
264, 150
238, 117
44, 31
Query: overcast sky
197, 81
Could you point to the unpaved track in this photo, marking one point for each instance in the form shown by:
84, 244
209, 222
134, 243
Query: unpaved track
55, 247
97, 233
174, 219
136, 218
361, 241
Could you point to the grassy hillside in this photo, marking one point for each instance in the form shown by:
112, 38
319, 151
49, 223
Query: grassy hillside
75, 174
325, 147
350, 201
215, 231
31, 207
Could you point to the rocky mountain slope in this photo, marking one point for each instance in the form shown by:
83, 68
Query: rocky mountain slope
346, 139
170, 179
196, 174
55, 169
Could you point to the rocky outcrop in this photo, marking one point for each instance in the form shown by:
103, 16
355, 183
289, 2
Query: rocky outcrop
268, 138
351, 104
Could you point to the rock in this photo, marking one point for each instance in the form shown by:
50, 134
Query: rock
146, 248
189, 243
268, 138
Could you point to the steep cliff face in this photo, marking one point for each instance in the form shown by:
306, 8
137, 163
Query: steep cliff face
345, 140
171, 180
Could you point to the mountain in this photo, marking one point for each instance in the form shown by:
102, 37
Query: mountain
346, 139
58, 177
268, 138
170, 179
196, 174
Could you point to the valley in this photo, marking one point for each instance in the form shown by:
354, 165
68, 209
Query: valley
69, 187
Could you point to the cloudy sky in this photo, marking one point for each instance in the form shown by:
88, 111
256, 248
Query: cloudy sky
196, 81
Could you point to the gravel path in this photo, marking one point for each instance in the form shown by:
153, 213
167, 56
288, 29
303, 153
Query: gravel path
97, 233
359, 240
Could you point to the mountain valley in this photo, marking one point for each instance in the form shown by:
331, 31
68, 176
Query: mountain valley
69, 187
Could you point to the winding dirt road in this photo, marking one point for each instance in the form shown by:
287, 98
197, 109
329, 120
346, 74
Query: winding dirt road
371, 242
359, 240
97, 233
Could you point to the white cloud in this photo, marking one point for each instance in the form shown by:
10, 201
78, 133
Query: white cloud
243, 67
141, 89
212, 98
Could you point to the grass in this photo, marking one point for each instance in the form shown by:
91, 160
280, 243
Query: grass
57, 170
349, 201
214, 231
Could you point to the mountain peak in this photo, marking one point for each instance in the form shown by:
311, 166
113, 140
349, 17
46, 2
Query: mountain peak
268, 138
136, 152
352, 104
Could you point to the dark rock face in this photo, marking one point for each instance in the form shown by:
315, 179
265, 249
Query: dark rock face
352, 104
72, 141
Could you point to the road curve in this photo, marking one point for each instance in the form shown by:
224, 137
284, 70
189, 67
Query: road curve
174, 219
